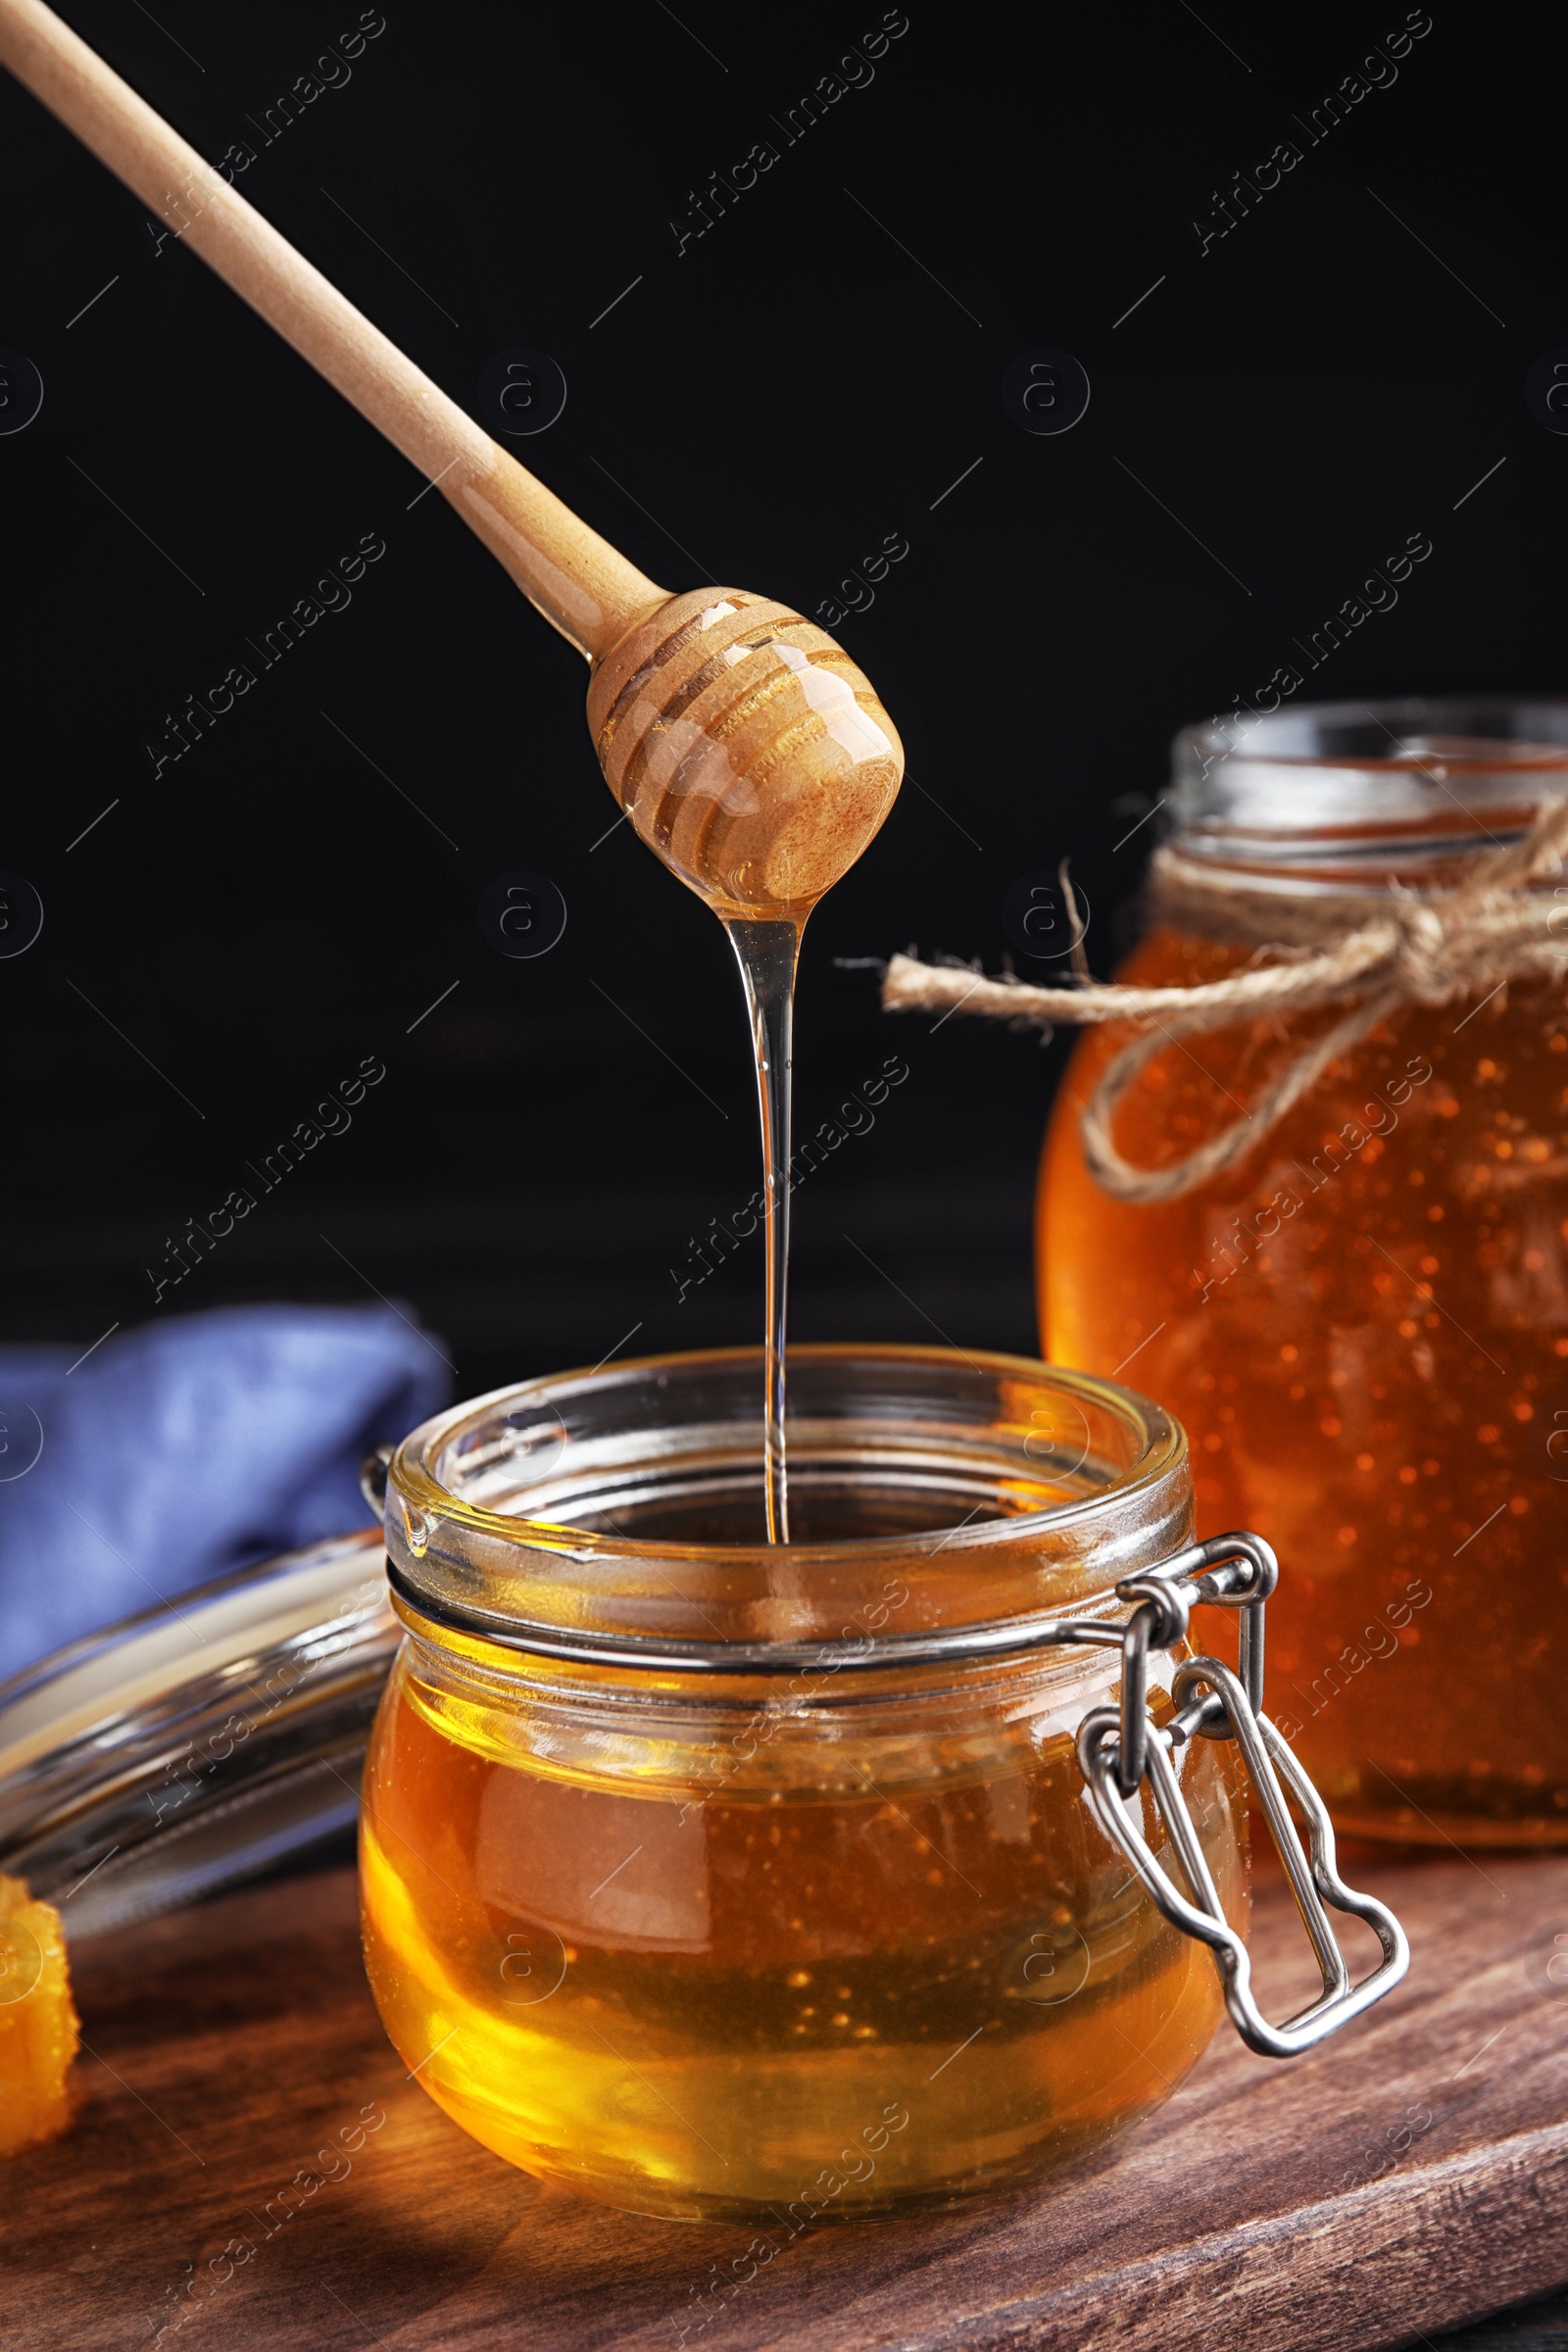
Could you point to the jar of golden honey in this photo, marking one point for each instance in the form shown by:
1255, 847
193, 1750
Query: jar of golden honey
719, 1879
1328, 1228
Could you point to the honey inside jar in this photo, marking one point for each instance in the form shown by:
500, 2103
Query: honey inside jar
793, 1948
1363, 1324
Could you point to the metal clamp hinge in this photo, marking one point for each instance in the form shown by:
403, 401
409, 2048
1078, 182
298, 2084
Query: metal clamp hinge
1120, 1747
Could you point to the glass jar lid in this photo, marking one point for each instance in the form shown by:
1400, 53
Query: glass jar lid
204, 1739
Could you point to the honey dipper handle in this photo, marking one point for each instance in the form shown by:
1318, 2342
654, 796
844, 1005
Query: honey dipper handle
578, 580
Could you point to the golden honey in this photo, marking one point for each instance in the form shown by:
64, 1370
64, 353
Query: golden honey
39, 2026
703, 2004
819, 1946
1363, 1326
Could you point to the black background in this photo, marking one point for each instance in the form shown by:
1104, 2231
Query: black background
1278, 416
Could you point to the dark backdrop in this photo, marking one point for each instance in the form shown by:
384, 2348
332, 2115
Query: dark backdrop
1282, 410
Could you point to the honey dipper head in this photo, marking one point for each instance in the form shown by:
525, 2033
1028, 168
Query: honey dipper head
750, 753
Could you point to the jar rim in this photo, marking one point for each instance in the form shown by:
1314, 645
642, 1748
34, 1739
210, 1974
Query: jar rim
510, 1575
1372, 778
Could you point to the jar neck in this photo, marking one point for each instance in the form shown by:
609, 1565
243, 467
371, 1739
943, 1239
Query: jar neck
931, 1490
482, 1673
1353, 797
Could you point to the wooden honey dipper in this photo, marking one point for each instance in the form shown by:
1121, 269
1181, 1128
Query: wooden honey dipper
751, 754
749, 750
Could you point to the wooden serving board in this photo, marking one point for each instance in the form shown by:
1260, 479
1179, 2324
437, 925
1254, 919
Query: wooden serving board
1291, 2206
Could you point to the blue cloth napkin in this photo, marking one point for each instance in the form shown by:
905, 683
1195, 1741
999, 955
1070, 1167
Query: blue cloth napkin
186, 1447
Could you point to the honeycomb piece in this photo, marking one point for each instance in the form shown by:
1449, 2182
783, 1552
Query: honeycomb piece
39, 2025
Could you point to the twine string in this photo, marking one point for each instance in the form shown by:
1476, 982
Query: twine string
1433, 948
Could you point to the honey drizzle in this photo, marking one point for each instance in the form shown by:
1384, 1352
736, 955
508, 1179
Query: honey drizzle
768, 955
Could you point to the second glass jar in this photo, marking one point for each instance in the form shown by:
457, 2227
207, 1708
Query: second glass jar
1363, 1322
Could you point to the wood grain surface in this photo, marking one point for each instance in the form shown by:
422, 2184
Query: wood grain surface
1410, 2176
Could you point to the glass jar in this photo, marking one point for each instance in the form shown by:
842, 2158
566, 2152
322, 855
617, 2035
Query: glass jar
667, 1895
1363, 1322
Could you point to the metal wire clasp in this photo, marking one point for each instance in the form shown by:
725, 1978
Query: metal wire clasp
1120, 1747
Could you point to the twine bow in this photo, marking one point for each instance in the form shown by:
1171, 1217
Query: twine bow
1434, 948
